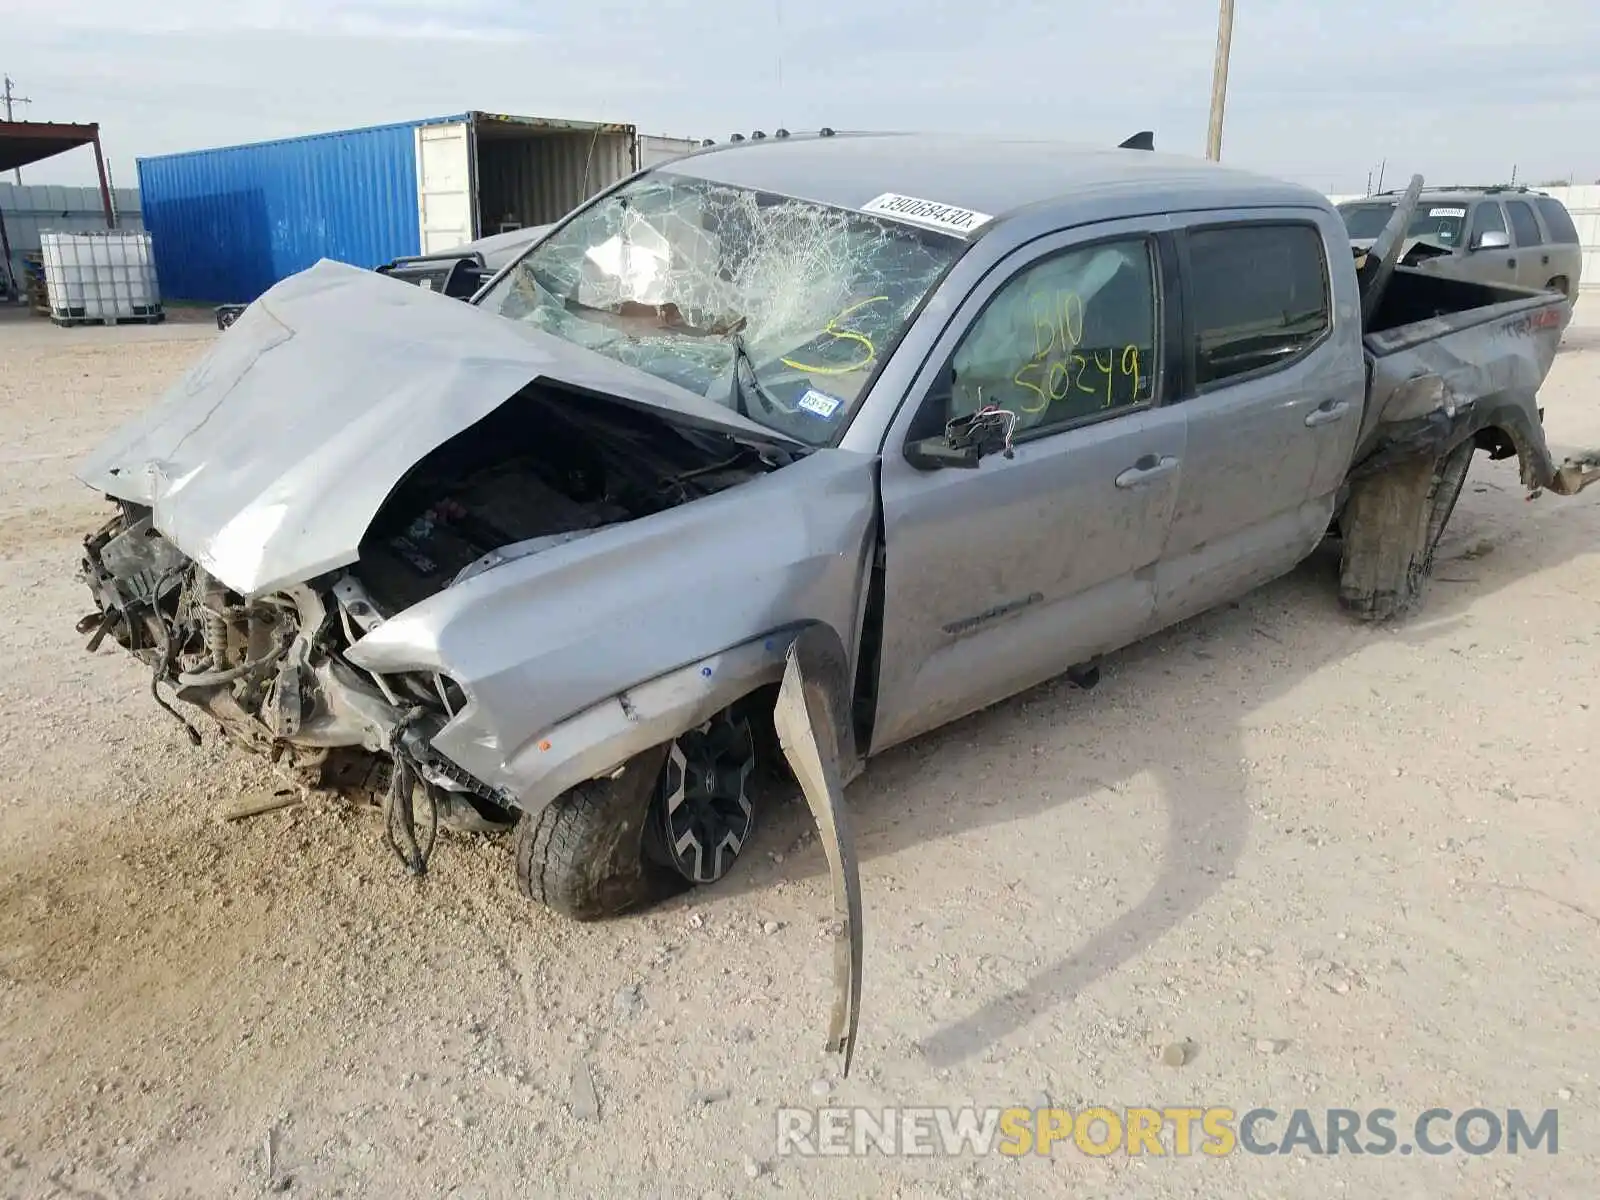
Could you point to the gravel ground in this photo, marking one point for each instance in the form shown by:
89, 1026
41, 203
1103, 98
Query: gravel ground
1348, 866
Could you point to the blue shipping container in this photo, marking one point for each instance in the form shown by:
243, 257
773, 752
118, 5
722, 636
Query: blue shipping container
226, 224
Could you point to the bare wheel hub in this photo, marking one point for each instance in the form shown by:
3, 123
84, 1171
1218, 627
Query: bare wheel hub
705, 813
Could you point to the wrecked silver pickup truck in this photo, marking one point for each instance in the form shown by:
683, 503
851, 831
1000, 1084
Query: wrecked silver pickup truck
791, 450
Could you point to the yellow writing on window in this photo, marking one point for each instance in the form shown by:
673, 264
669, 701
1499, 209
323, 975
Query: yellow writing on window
1055, 369
834, 329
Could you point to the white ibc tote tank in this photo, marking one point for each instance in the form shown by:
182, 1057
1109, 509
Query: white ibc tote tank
100, 277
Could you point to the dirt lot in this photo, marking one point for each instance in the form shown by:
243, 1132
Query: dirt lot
1354, 868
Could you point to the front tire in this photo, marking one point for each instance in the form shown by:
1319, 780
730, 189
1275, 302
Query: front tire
582, 855
674, 816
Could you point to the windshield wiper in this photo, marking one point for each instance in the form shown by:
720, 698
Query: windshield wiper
736, 395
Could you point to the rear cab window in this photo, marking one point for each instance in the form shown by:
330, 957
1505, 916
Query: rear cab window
1524, 225
1257, 298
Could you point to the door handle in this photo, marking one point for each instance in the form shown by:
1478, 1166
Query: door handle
1511, 262
1146, 470
1545, 260
1327, 413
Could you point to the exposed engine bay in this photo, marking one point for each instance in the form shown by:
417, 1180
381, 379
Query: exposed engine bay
544, 468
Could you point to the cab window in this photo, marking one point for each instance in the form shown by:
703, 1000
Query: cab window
1557, 220
1524, 223
1258, 295
1486, 218
1068, 340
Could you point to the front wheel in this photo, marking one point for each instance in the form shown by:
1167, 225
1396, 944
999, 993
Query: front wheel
676, 815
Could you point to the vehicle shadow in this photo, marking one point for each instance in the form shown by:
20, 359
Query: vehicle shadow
1201, 776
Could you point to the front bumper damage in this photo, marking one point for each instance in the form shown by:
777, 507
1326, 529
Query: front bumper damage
273, 674
270, 672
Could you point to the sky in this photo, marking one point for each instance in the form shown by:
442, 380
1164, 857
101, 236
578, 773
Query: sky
1319, 91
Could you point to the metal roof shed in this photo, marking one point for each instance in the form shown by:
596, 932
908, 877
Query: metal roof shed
24, 142
227, 224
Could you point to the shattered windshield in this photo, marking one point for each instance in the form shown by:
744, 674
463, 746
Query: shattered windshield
1438, 223
778, 308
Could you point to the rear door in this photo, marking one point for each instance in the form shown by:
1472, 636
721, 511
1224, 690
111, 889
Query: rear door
1533, 255
1274, 388
445, 186
1000, 576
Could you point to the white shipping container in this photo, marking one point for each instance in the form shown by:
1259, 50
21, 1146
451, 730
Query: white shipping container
105, 277
654, 148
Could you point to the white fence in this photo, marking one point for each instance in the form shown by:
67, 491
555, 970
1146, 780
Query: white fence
30, 210
1584, 205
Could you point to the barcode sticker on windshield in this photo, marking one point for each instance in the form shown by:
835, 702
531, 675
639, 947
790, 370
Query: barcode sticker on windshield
820, 403
927, 212
1447, 212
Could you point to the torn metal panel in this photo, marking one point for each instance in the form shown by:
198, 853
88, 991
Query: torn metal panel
1378, 264
1575, 474
1436, 381
812, 722
269, 459
782, 550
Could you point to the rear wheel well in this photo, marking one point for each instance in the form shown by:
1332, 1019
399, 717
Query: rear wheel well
1495, 441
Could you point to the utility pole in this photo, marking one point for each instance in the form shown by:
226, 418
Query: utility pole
11, 99
1219, 81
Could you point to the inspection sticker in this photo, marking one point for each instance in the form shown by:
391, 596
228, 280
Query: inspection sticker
1447, 212
820, 403
927, 212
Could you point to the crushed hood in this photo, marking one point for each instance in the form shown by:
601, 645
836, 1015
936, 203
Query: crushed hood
267, 461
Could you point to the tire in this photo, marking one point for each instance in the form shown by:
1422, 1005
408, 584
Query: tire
1558, 284
583, 854
1393, 525
1449, 478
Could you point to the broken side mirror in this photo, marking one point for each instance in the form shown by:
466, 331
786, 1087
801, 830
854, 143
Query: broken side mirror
935, 453
1492, 239
965, 440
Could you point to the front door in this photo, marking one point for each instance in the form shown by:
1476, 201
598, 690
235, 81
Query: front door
1001, 576
1487, 264
1274, 402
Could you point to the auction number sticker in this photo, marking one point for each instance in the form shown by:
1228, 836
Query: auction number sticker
948, 217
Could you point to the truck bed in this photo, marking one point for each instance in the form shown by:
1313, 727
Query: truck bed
1447, 359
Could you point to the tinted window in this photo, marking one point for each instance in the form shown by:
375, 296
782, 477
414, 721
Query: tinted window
1258, 294
1069, 338
1523, 223
1487, 218
1557, 220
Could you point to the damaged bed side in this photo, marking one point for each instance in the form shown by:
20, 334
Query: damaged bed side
1452, 367
1441, 387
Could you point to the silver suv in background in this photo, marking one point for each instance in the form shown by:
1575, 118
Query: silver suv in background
1500, 235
